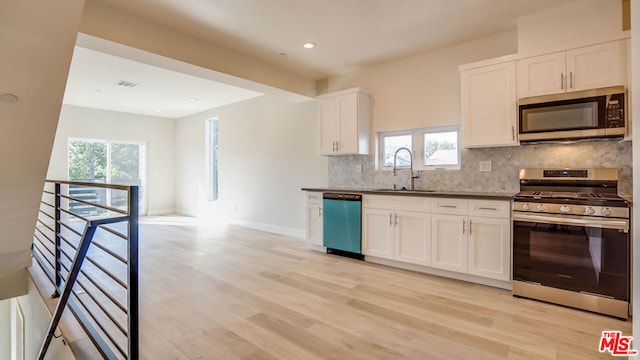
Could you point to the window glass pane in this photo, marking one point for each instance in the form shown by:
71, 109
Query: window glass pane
441, 148
87, 161
214, 159
390, 144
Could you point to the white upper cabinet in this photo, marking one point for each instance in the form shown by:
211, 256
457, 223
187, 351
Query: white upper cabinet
489, 103
583, 68
344, 122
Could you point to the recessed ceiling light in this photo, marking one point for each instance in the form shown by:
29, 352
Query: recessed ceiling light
309, 45
193, 99
157, 111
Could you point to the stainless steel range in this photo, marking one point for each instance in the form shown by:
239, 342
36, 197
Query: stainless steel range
571, 243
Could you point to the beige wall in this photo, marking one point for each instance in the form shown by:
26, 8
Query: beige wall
268, 151
36, 44
422, 90
570, 26
112, 24
158, 134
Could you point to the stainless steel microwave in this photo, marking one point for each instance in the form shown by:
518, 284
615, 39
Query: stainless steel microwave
573, 115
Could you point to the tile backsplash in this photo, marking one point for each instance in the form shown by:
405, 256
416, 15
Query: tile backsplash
505, 162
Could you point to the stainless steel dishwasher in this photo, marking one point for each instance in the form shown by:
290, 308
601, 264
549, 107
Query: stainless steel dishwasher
342, 224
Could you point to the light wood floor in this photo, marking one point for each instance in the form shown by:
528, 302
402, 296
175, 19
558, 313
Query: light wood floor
242, 294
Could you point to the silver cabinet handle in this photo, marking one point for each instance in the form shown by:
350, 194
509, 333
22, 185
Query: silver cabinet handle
337, 145
449, 206
570, 79
470, 226
390, 219
562, 81
464, 226
319, 212
487, 208
513, 133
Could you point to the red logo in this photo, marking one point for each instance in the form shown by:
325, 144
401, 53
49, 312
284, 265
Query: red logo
616, 343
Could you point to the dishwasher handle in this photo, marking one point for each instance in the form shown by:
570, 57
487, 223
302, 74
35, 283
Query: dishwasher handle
341, 196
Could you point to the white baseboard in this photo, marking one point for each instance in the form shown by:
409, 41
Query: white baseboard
444, 273
280, 230
161, 212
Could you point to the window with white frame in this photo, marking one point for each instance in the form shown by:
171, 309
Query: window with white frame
212, 158
432, 148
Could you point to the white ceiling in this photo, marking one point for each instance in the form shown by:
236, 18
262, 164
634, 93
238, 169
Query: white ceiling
93, 83
350, 34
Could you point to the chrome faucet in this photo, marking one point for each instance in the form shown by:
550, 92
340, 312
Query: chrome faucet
411, 176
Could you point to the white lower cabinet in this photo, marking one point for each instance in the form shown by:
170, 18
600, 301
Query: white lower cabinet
412, 234
389, 232
488, 246
377, 233
449, 242
476, 245
314, 218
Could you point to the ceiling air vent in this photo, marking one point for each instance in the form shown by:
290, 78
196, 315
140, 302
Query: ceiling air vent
127, 83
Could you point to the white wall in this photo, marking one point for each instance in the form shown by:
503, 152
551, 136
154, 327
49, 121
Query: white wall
157, 133
577, 24
36, 322
267, 152
422, 90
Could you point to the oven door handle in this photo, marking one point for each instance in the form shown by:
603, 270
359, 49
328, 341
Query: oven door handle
619, 224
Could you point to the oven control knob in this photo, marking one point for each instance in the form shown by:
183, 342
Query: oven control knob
606, 211
564, 209
526, 207
540, 207
589, 210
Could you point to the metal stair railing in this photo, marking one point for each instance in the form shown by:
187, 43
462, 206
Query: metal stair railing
101, 292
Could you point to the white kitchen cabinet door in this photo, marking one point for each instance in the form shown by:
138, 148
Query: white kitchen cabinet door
595, 66
489, 110
329, 115
489, 247
314, 218
377, 233
413, 237
542, 75
584, 68
449, 242
344, 122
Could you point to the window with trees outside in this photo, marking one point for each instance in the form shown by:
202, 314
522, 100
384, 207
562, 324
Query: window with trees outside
102, 161
432, 148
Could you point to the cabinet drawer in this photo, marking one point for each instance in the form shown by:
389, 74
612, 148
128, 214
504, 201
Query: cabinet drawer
490, 208
392, 202
449, 206
314, 197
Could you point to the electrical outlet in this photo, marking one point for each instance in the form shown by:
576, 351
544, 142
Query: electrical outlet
485, 166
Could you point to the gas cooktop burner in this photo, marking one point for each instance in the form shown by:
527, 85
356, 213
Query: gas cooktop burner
586, 192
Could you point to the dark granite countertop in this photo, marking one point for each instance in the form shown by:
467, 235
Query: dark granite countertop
425, 193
